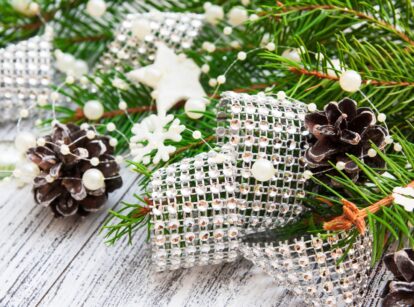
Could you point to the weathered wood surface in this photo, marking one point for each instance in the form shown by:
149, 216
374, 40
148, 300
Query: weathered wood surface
51, 262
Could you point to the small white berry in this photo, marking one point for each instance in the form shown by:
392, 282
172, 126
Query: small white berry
271, 46
340, 165
94, 161
221, 79
372, 153
253, 17
227, 30
41, 142
350, 81
212, 82
110, 127
113, 142
397, 147
241, 56
196, 134
211, 48
205, 68
49, 178
388, 139
119, 159
312, 107
381, 117
64, 149
24, 113
307, 174
90, 134
70, 80
235, 44
245, 2
122, 105
84, 126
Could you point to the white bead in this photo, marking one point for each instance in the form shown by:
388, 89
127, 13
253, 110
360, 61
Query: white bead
241, 56
122, 105
207, 5
110, 127
113, 142
196, 134
96, 8
70, 80
119, 159
235, 44
213, 13
292, 55
80, 69
195, 104
93, 110
281, 95
49, 178
41, 142
372, 152
42, 100
307, 174
25, 7
397, 147
381, 117
221, 79
90, 134
140, 28
64, 149
388, 139
237, 16
93, 179
340, 165
312, 107
209, 47
350, 81
271, 46
212, 82
24, 113
205, 68
34, 8
245, 2
263, 170
94, 161
119, 83
227, 30
253, 17
84, 126
24, 141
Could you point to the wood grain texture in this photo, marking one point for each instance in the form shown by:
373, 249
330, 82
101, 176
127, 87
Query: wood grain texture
64, 262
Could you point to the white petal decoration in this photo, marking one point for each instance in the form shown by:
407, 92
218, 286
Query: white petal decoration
404, 197
174, 78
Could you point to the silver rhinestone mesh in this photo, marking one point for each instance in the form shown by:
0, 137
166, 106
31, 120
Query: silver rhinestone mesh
311, 267
194, 214
25, 74
262, 127
176, 30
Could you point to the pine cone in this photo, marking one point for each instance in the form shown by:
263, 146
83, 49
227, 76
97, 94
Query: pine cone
59, 184
401, 290
343, 129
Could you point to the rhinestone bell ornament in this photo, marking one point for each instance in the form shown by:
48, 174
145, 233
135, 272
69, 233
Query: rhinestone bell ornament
322, 271
194, 213
137, 36
270, 139
25, 74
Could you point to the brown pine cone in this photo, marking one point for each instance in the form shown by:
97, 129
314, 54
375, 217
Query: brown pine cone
59, 184
343, 129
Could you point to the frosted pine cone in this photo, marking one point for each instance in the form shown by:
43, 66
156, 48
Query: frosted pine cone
343, 129
59, 184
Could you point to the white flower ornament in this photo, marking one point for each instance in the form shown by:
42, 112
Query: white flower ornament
150, 135
404, 197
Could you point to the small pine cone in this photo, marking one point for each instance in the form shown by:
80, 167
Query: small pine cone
343, 129
59, 184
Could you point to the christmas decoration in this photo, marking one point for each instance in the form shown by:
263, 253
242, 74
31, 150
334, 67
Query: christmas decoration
270, 139
194, 211
343, 129
174, 79
404, 197
96, 8
401, 289
137, 37
26, 7
150, 135
26, 74
70, 181
69, 65
324, 271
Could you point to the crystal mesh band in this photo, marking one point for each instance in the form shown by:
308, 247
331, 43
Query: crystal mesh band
194, 215
261, 127
176, 30
25, 74
310, 267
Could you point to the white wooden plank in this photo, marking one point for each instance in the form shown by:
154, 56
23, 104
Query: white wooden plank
35, 247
